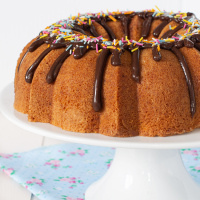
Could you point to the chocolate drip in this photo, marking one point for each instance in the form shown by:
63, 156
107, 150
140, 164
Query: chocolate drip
80, 51
53, 73
146, 26
196, 37
142, 14
190, 14
135, 56
58, 45
108, 29
93, 31
188, 43
115, 59
22, 60
188, 79
37, 43
170, 33
79, 29
100, 67
31, 70
146, 45
92, 45
197, 46
156, 53
125, 21
159, 28
167, 46
179, 44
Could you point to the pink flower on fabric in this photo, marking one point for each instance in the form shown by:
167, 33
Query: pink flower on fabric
70, 198
54, 163
190, 152
69, 180
3, 155
35, 181
72, 180
109, 162
80, 152
197, 167
9, 171
29, 182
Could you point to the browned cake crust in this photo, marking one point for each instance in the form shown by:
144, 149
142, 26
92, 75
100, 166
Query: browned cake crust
159, 105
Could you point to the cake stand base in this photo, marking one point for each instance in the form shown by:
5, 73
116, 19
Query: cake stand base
145, 174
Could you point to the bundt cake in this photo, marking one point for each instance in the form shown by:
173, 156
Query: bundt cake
103, 73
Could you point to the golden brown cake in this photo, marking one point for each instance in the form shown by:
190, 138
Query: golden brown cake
119, 74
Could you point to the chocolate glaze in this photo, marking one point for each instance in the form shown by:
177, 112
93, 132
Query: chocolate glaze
79, 29
146, 26
53, 73
80, 51
170, 33
37, 43
160, 27
142, 15
179, 44
93, 30
156, 53
80, 48
125, 22
135, 56
196, 37
31, 70
100, 67
146, 45
115, 59
23, 57
188, 43
188, 79
197, 46
108, 29
167, 46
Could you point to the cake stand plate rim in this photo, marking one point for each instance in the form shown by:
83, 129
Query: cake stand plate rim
187, 140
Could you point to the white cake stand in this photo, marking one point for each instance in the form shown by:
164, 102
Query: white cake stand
143, 168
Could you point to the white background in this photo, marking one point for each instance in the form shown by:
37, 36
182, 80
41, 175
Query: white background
21, 20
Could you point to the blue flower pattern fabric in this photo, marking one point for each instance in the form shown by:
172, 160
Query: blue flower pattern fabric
65, 171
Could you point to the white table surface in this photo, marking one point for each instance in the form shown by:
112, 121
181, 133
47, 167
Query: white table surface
14, 139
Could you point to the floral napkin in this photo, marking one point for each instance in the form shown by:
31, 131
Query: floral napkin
65, 171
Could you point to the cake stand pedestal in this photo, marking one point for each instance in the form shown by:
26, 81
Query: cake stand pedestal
143, 168
145, 174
